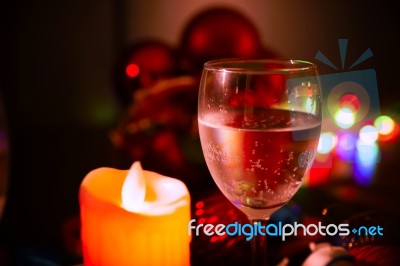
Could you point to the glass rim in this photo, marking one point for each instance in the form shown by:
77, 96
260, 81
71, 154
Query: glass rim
241, 66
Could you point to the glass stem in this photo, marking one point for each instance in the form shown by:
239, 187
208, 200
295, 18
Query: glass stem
259, 243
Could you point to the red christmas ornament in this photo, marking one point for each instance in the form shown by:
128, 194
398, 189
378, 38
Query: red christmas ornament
218, 33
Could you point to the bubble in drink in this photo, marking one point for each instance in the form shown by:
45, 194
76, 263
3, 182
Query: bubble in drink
259, 158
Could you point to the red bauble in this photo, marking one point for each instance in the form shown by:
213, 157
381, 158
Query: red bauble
218, 33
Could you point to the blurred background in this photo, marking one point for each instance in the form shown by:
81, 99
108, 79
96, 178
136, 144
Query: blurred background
82, 87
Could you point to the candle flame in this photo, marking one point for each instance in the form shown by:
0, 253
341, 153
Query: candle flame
134, 189
149, 193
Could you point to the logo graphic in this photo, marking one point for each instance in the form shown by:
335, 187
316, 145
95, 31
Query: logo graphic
353, 92
280, 230
351, 104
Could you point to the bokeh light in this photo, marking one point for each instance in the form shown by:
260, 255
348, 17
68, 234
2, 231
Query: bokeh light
367, 153
368, 134
327, 142
132, 70
384, 124
349, 101
367, 156
346, 146
345, 118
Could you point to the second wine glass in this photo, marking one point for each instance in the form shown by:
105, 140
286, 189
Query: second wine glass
259, 124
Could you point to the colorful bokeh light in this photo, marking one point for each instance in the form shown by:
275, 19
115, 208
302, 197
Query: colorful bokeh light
349, 101
346, 146
132, 70
368, 134
384, 124
327, 142
367, 153
367, 156
345, 118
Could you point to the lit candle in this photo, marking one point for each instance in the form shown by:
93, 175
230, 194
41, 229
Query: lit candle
134, 217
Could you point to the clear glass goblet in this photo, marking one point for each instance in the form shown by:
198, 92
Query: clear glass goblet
259, 125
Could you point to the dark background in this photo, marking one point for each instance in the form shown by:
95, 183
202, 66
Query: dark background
56, 60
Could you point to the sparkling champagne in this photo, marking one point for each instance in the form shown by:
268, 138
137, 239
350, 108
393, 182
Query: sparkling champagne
258, 158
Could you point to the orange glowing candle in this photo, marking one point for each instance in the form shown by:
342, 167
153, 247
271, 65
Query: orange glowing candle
134, 217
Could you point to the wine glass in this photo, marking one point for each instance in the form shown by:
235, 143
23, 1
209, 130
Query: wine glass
259, 125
